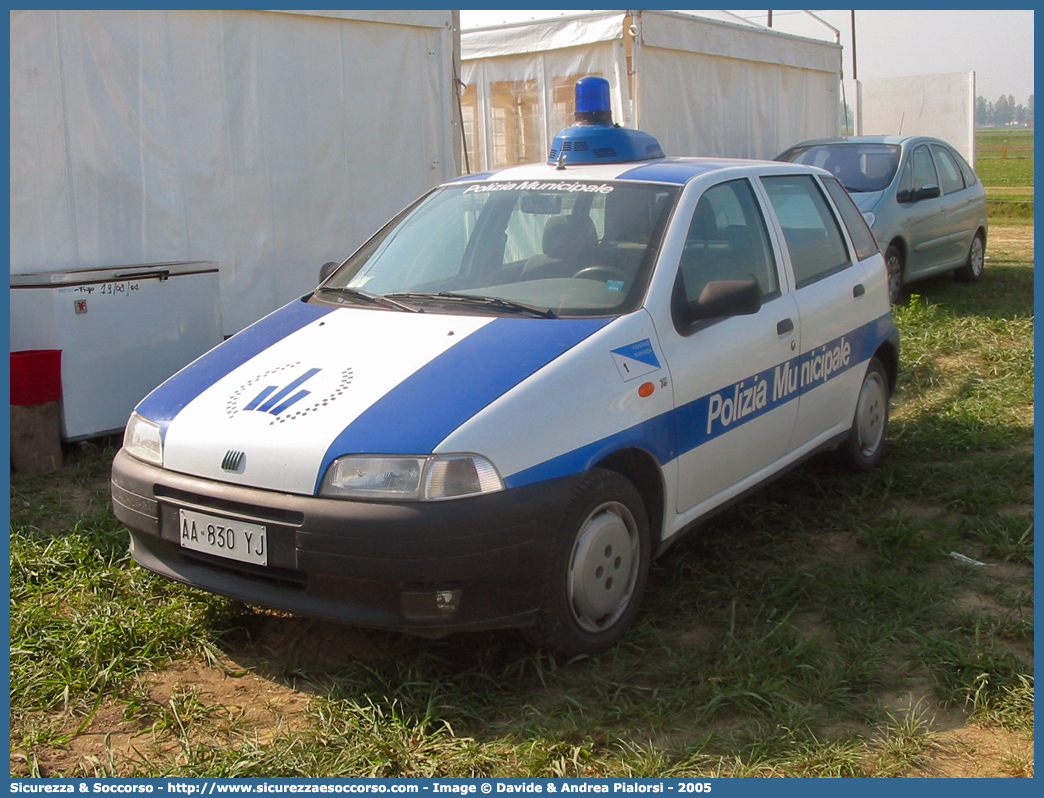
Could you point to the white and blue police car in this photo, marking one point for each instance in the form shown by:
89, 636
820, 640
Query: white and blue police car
519, 391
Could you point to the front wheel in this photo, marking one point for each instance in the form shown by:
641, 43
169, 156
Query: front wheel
971, 271
861, 450
598, 568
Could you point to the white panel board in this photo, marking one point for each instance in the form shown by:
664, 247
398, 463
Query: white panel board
922, 105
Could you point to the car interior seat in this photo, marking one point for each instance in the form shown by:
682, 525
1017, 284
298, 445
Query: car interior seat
569, 244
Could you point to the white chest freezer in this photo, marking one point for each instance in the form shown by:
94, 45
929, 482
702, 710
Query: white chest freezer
122, 331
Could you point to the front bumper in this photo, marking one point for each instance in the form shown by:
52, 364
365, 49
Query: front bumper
373, 564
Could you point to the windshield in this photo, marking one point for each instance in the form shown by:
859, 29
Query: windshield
858, 167
552, 248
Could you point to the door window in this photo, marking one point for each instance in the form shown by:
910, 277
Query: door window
922, 170
949, 172
727, 240
813, 237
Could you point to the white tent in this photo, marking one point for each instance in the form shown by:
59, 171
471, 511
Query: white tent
701, 86
267, 142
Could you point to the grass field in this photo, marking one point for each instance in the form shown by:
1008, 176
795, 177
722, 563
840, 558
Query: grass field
1004, 163
821, 628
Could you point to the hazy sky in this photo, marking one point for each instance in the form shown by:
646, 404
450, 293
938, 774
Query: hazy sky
996, 45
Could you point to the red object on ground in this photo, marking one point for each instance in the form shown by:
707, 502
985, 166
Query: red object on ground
36, 376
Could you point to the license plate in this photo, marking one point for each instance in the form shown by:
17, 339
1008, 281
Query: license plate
224, 537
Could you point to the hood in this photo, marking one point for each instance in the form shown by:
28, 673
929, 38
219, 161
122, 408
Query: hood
866, 200
311, 383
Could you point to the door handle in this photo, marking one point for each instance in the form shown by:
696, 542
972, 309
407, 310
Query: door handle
785, 326
859, 290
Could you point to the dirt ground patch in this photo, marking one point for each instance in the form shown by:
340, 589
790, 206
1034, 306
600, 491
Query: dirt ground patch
974, 752
219, 704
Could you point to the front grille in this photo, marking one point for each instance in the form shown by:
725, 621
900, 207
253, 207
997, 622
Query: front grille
198, 501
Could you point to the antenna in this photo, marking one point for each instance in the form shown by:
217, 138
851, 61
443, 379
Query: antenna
901, 120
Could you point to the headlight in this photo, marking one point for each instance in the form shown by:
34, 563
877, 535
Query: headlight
870, 218
374, 478
407, 478
144, 440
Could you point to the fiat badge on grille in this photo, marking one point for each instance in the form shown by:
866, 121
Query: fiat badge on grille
233, 461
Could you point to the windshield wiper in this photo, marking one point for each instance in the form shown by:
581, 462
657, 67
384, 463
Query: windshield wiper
377, 299
489, 301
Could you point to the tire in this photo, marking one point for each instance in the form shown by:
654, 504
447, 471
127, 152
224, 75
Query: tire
861, 450
597, 570
971, 271
894, 265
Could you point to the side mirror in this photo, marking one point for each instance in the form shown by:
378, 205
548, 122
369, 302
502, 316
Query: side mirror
931, 191
721, 298
327, 269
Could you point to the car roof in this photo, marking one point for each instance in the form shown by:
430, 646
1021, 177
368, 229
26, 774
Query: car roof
899, 140
659, 170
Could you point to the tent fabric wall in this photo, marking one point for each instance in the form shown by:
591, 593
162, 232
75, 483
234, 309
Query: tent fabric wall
699, 104
539, 73
703, 87
268, 142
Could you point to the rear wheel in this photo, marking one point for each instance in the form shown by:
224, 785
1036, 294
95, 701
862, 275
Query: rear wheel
894, 264
971, 271
598, 569
861, 450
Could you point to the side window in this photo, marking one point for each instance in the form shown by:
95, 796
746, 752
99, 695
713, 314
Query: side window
814, 240
727, 240
967, 171
906, 180
949, 172
862, 238
923, 169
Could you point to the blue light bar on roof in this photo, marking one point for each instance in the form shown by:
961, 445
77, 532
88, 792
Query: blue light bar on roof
594, 138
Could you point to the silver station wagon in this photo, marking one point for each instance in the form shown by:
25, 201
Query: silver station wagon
926, 207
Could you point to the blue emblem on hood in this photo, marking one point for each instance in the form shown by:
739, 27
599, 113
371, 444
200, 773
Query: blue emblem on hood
270, 399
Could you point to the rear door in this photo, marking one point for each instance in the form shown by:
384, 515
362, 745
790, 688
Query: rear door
830, 292
959, 206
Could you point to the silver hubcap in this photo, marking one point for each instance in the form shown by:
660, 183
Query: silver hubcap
604, 567
870, 413
975, 257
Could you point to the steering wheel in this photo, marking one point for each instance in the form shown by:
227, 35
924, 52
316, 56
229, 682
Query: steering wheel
606, 273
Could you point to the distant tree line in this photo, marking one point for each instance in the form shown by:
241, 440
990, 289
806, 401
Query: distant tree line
1003, 112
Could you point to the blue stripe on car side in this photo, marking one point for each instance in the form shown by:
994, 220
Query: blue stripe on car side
420, 412
685, 428
170, 398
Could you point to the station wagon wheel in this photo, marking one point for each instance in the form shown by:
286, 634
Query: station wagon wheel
598, 568
861, 450
894, 264
971, 271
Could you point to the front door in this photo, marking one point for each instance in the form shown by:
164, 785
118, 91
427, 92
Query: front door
729, 425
